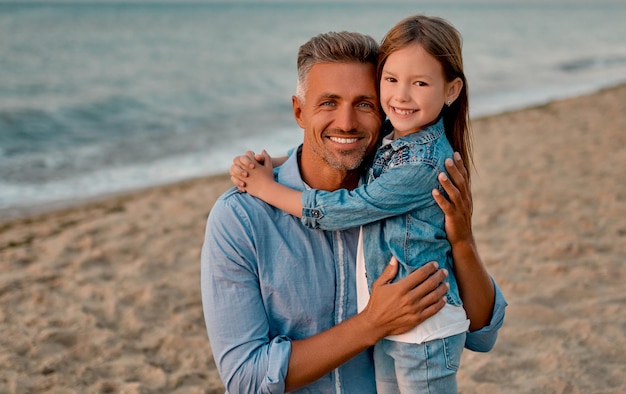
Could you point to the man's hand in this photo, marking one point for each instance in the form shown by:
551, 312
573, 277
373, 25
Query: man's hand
458, 209
475, 285
395, 308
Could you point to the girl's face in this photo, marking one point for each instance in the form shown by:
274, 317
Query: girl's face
413, 89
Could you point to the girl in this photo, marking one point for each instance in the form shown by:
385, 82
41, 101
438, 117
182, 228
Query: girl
423, 92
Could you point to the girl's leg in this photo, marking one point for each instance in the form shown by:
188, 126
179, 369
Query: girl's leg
429, 367
384, 366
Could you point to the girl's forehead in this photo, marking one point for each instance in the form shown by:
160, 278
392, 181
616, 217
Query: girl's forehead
412, 57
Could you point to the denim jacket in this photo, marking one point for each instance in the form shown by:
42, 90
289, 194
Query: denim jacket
395, 207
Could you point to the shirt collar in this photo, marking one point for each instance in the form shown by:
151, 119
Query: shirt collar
423, 136
288, 174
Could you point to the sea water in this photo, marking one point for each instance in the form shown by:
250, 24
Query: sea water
99, 97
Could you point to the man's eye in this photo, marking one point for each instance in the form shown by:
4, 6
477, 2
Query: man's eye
327, 104
366, 105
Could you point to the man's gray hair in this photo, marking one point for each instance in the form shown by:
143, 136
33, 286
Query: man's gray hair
334, 47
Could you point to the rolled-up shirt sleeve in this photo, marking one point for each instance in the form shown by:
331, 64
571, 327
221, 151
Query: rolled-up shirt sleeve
484, 339
248, 360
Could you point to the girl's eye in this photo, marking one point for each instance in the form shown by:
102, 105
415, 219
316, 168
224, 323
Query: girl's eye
390, 79
420, 83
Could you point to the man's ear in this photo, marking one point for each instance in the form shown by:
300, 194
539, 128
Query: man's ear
454, 89
297, 110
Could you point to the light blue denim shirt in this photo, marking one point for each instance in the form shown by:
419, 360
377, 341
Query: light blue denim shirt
267, 279
395, 207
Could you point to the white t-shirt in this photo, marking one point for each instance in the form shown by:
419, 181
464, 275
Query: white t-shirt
449, 321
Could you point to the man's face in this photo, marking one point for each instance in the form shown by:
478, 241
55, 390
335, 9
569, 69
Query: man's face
340, 115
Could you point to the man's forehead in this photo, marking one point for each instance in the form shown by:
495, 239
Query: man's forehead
337, 79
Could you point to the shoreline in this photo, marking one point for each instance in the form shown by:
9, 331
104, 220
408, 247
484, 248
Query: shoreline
21, 212
33, 212
104, 296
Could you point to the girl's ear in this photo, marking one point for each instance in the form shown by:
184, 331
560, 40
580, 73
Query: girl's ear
454, 89
297, 110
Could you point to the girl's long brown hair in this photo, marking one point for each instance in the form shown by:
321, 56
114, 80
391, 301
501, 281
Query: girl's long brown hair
441, 40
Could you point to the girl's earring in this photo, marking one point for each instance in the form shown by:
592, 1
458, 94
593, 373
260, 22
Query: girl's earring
449, 103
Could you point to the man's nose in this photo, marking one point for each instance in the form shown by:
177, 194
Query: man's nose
346, 119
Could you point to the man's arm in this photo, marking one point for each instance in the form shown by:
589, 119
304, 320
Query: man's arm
392, 309
479, 293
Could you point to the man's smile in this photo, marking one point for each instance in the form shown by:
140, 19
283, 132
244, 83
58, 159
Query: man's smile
343, 140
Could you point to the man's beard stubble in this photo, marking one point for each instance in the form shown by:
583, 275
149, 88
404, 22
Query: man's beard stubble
343, 160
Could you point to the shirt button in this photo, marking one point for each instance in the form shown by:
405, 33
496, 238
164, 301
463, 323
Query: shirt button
316, 213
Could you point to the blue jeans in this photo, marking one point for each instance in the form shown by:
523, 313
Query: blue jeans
428, 367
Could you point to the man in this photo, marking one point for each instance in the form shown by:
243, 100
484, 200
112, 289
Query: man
280, 299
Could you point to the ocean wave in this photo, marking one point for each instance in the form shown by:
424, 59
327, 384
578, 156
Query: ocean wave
592, 63
28, 130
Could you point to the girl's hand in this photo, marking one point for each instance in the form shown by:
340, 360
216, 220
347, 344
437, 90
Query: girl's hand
254, 176
239, 169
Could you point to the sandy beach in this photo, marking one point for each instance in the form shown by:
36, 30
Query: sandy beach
105, 297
